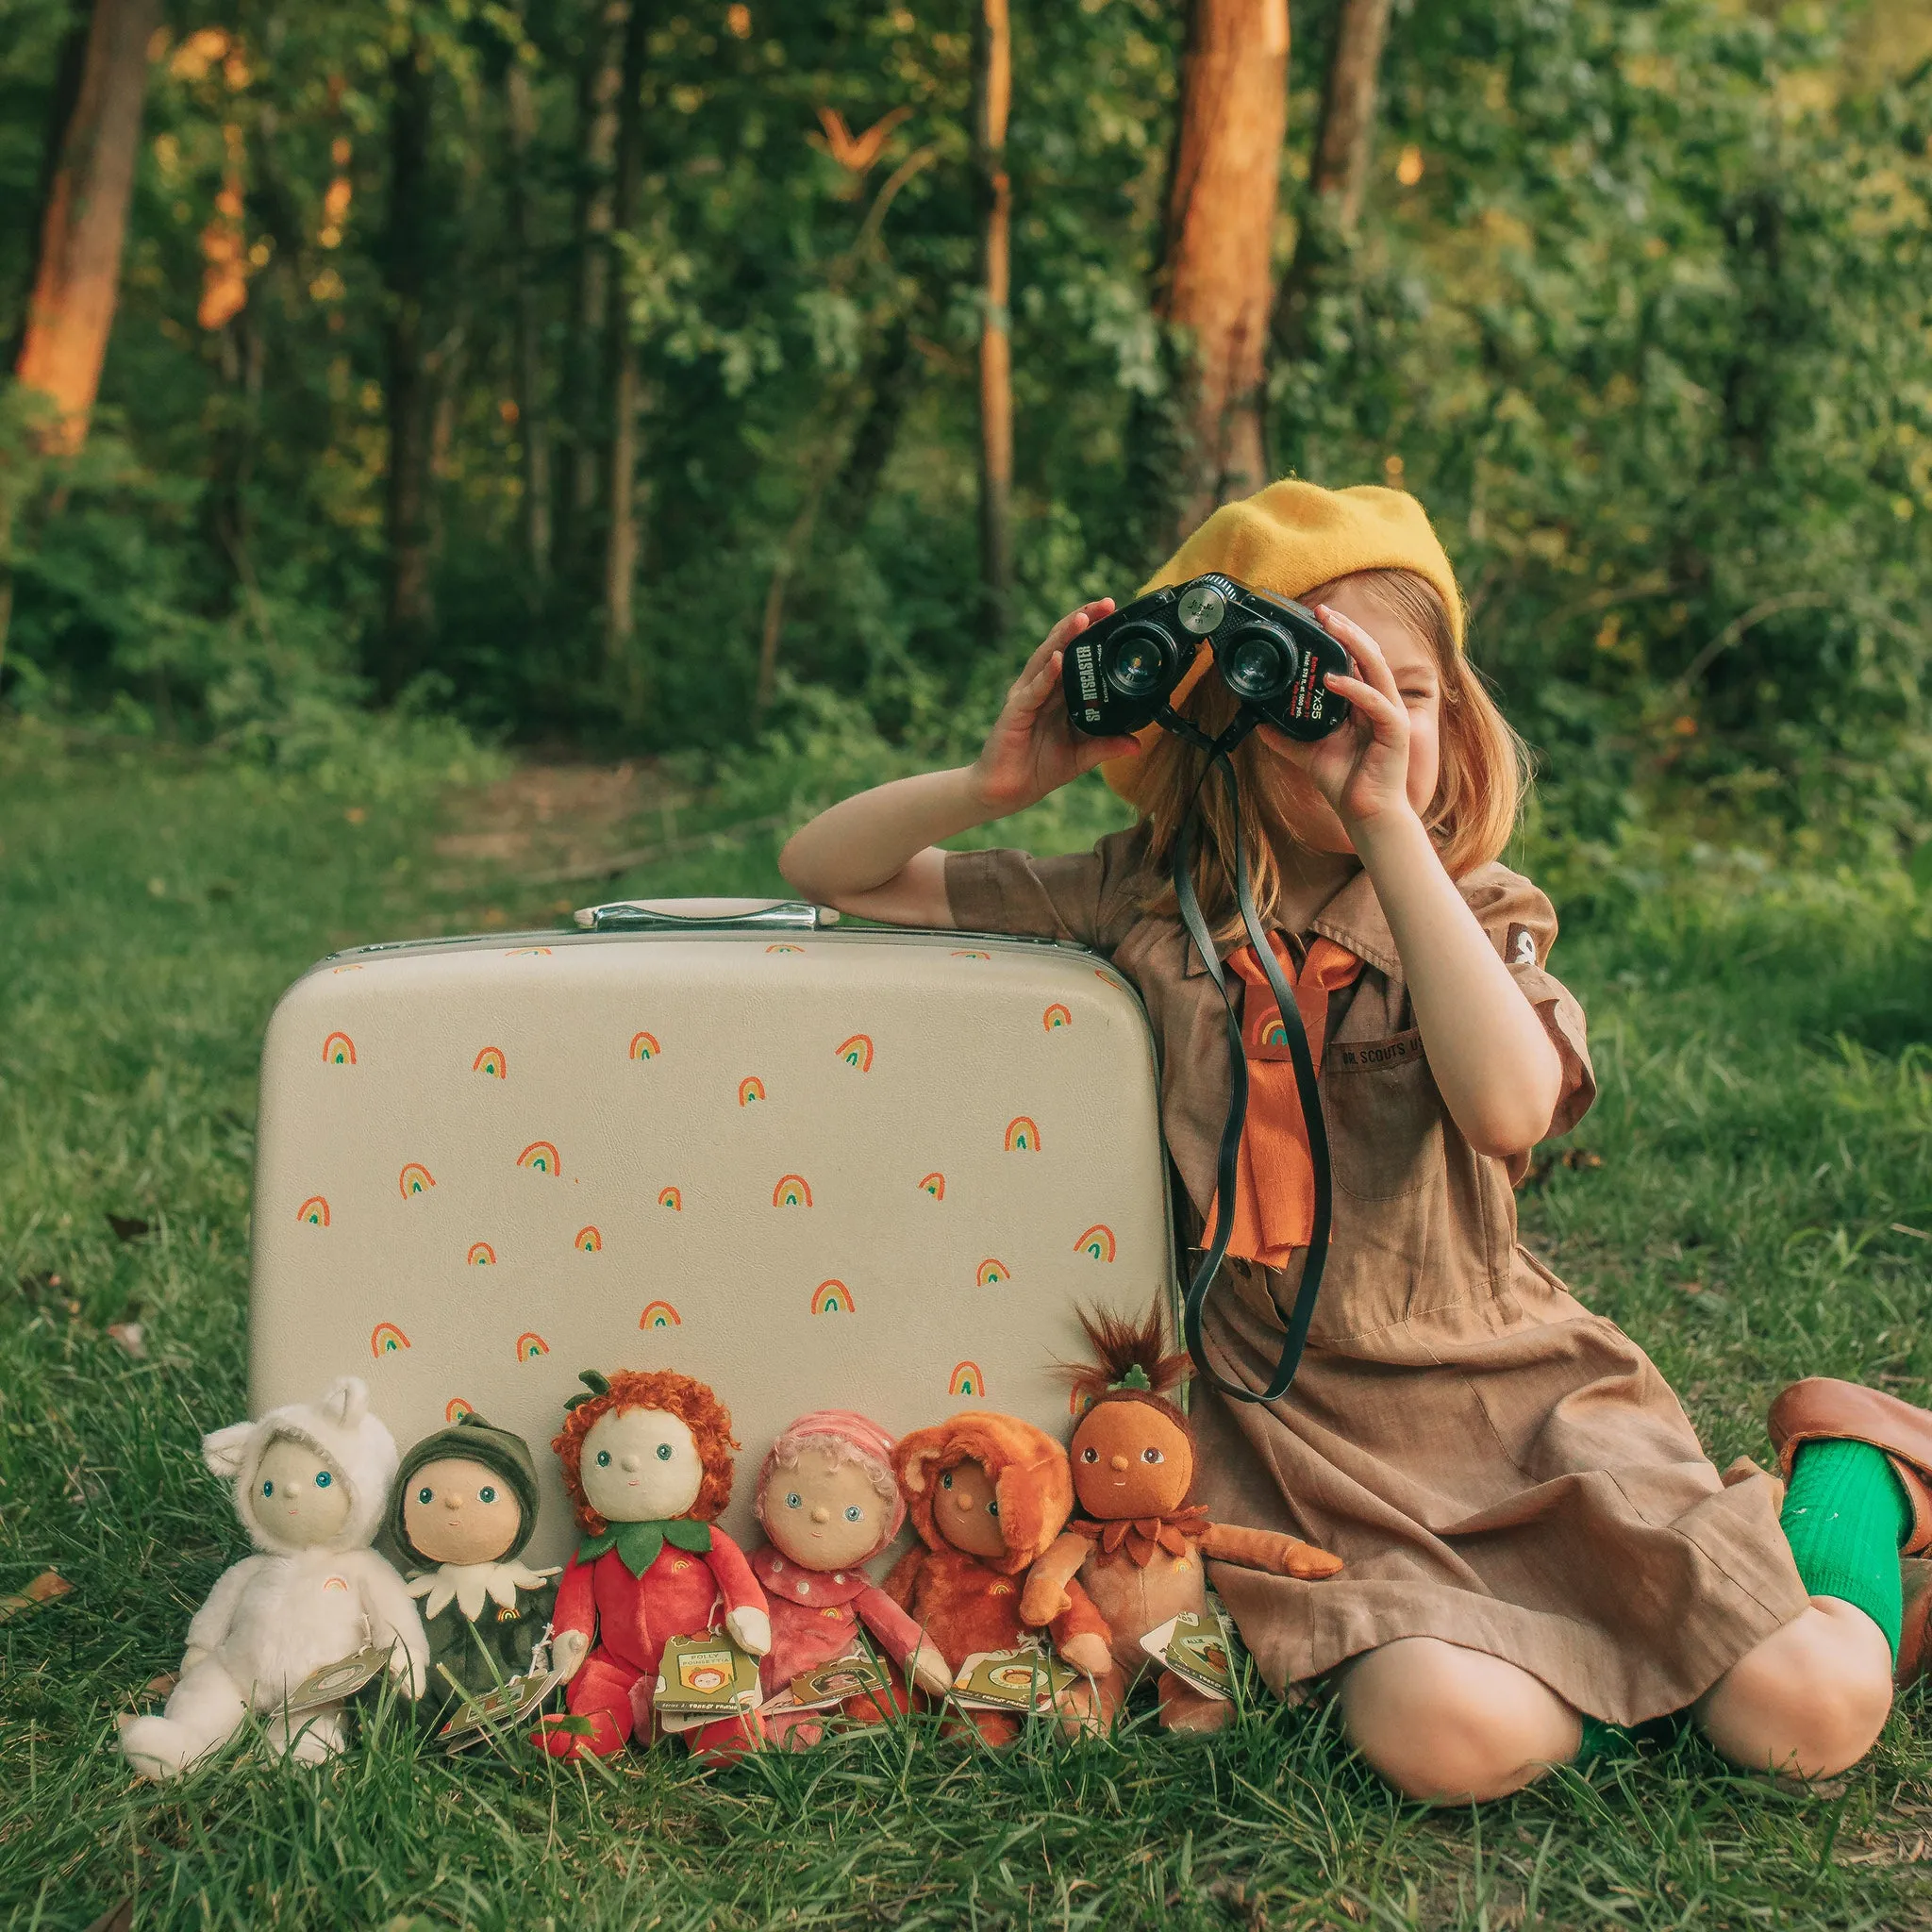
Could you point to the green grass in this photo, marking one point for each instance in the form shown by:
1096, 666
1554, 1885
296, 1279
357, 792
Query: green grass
1764, 1126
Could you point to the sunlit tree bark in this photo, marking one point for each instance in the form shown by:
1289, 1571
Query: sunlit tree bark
992, 91
620, 536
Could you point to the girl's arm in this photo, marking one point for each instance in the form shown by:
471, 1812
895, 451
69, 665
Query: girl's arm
1495, 1066
876, 854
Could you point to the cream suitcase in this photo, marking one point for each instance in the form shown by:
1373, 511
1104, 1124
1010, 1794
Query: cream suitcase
869, 1170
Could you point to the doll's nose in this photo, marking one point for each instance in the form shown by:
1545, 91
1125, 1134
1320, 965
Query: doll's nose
962, 1501
822, 1514
452, 1502
1117, 1462
630, 1462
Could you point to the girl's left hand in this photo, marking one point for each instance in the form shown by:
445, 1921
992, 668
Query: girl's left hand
1361, 770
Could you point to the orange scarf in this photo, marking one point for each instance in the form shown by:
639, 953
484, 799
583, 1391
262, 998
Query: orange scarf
1275, 1182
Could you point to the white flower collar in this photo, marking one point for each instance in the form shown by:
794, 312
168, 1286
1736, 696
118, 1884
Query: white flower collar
470, 1585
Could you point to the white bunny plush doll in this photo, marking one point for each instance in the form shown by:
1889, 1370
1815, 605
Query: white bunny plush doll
310, 1482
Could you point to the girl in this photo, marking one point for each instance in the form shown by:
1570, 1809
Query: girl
1534, 1540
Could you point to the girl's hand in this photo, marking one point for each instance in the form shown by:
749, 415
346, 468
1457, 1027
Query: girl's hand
1033, 748
1361, 770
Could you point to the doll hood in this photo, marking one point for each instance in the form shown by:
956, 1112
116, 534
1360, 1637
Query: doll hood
341, 1427
1032, 1480
470, 1440
861, 1438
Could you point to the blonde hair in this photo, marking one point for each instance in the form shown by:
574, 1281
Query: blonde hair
1479, 788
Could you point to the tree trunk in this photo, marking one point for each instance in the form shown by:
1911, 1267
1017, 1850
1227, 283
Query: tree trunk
534, 432
84, 219
1340, 168
621, 536
411, 610
891, 388
1215, 283
992, 91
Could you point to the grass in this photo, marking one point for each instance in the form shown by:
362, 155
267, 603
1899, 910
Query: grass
1736, 1200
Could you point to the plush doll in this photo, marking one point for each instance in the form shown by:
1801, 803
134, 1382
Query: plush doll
310, 1483
830, 1503
463, 1507
1139, 1543
989, 1495
647, 1465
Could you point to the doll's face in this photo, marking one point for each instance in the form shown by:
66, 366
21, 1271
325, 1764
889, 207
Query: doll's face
967, 1511
1130, 1461
459, 1511
824, 1512
300, 1497
640, 1464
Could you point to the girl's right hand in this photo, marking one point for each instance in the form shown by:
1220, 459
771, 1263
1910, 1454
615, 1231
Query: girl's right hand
1033, 748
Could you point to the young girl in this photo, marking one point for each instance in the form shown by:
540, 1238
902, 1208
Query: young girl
1534, 1540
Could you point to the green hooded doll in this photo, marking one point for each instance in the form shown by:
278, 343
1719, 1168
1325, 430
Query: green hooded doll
463, 1507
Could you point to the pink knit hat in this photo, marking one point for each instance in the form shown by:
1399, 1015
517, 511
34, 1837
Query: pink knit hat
855, 1435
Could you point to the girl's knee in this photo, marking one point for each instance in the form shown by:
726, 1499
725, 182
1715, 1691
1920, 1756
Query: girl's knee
1811, 1698
1449, 1725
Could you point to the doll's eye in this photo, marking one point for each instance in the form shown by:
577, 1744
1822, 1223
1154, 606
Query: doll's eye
992, 1508
1151, 1456
603, 1459
794, 1500
663, 1452
323, 1478
486, 1494
426, 1494
854, 1513
267, 1488
945, 1482
1090, 1456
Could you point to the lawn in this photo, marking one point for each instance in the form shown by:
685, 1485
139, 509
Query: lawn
1750, 1197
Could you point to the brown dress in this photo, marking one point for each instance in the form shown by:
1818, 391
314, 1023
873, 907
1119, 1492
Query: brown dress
1495, 1465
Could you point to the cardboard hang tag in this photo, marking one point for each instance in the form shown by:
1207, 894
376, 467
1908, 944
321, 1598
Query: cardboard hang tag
701, 1679
856, 1673
501, 1707
1199, 1647
333, 1682
1029, 1678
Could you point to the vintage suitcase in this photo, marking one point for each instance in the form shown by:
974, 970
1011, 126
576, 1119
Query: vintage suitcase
816, 1168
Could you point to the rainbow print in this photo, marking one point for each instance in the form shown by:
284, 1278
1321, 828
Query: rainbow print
588, 1241
967, 953
539, 1157
671, 1198
966, 1380
992, 1273
415, 1179
1022, 1137
481, 1255
345, 969
794, 1190
857, 1052
530, 1345
833, 1298
935, 1185
386, 1339
1097, 1241
339, 1050
491, 1061
527, 952
749, 1089
1275, 1034
643, 1046
659, 1315
782, 947
455, 1408
1055, 1017
1079, 1402
314, 1212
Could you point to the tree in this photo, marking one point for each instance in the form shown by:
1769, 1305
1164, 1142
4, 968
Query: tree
619, 496
993, 93
520, 120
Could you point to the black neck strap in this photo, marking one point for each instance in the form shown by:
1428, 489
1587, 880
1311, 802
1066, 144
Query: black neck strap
1227, 1162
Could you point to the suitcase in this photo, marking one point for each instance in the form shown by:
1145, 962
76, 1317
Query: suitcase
816, 1168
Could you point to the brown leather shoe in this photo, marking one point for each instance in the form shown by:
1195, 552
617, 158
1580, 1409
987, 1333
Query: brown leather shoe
1915, 1630
1820, 1409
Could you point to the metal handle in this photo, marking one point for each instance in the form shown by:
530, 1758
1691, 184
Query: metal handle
707, 915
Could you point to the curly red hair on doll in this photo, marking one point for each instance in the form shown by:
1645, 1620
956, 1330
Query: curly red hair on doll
689, 1400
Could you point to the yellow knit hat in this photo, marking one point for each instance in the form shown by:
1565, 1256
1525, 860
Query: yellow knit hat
1292, 536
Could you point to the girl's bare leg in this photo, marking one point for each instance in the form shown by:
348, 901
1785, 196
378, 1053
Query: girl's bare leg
1450, 1725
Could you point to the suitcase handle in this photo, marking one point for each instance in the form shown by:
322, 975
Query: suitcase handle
707, 915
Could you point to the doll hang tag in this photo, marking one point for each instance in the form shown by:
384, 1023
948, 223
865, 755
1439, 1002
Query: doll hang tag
1028, 1678
1199, 1648
335, 1681
503, 1706
855, 1675
702, 1678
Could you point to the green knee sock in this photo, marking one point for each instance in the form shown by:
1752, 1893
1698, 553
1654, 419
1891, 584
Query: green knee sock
1846, 1514
1598, 1737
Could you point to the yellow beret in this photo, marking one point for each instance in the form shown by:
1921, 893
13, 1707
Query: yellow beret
1292, 536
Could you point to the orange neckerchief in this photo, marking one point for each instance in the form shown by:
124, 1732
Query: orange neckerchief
1144, 1535
1275, 1183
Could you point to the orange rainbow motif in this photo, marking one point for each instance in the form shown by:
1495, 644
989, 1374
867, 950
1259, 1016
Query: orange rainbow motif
481, 1255
1097, 1241
530, 1345
992, 1273
527, 952
833, 1298
673, 1199
491, 1061
780, 946
935, 1185
339, 1050
345, 969
386, 1339
967, 953
643, 1046
749, 1089
1022, 1137
1079, 1402
966, 1380
455, 1408
794, 1190
314, 1212
659, 1315
857, 1052
588, 1241
1274, 1034
415, 1179
539, 1157
1055, 1017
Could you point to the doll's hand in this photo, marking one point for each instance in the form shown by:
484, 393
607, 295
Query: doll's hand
928, 1668
411, 1673
1033, 748
192, 1658
568, 1650
1088, 1653
750, 1630
1041, 1601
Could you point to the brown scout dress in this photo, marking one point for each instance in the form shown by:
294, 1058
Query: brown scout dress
1495, 1465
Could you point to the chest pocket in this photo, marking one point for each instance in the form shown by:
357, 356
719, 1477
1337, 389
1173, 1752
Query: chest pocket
1384, 1116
